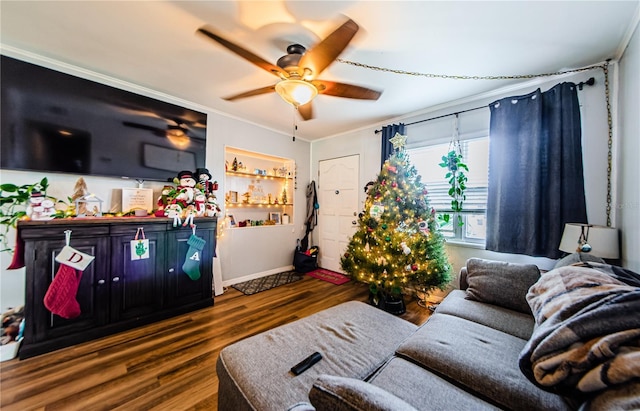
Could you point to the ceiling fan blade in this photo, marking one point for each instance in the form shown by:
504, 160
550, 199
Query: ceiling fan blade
325, 52
332, 88
157, 131
246, 54
306, 111
251, 93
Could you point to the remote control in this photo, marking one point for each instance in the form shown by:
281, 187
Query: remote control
303, 365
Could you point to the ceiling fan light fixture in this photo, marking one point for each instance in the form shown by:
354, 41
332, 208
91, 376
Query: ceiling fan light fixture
177, 136
296, 92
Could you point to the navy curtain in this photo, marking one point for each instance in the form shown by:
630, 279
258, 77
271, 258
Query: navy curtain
536, 182
387, 133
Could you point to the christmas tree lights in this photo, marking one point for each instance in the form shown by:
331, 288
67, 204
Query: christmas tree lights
398, 245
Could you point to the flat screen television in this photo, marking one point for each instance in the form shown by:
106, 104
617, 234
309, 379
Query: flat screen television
55, 122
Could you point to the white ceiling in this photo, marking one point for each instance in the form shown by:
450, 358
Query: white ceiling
153, 44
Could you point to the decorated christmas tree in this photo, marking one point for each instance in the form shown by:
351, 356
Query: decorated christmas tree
398, 247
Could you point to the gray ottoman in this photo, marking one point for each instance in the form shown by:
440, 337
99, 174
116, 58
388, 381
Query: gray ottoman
354, 339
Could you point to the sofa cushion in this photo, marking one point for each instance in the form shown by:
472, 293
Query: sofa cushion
503, 319
354, 338
333, 393
478, 357
501, 283
425, 390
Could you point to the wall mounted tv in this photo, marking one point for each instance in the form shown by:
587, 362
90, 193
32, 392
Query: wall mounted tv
55, 122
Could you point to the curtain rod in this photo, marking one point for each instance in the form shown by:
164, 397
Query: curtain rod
590, 82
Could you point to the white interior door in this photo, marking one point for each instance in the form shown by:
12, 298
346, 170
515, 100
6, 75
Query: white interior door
338, 213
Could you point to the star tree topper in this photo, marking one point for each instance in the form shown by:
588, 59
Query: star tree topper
398, 141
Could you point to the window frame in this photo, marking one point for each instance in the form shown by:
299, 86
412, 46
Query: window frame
453, 232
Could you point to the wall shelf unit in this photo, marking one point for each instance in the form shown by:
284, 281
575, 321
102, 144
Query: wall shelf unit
259, 188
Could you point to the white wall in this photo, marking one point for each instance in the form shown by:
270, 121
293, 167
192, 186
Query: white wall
242, 253
247, 253
628, 198
474, 123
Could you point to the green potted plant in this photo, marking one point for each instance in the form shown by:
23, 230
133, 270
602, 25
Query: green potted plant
14, 200
457, 185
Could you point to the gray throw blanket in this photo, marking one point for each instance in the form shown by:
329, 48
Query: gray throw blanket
587, 334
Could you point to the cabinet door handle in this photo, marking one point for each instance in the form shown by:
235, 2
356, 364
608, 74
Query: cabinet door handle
171, 270
337, 191
116, 279
100, 282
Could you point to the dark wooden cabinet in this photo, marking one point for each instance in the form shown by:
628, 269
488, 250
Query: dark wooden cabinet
181, 289
115, 292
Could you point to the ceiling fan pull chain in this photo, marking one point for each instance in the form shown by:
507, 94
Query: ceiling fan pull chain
295, 124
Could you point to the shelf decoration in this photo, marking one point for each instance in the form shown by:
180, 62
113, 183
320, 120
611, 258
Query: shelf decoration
90, 204
262, 184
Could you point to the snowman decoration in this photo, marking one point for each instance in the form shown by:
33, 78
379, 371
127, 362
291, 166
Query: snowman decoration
40, 208
186, 188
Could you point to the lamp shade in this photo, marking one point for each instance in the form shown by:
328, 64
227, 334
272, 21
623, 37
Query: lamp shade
597, 240
296, 92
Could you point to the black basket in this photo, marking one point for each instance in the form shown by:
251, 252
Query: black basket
303, 262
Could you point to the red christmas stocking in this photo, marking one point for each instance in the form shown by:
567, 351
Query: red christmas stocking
60, 298
18, 253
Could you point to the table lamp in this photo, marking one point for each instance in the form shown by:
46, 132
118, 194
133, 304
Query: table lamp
596, 240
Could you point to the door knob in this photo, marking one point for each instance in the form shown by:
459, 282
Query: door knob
337, 191
116, 279
354, 222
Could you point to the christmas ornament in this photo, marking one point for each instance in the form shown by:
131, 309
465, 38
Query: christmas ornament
383, 182
393, 169
387, 238
414, 267
139, 246
384, 226
394, 184
398, 199
405, 249
423, 227
398, 141
376, 210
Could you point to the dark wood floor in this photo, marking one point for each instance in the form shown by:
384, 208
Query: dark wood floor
169, 365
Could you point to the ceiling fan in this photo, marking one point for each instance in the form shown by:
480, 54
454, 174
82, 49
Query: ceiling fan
176, 131
299, 68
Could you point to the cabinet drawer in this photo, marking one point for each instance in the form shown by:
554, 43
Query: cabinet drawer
53, 231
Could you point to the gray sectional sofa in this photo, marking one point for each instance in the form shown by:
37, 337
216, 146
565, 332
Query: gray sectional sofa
467, 356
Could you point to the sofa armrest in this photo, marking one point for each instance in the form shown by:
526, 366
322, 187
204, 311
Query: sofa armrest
464, 284
350, 394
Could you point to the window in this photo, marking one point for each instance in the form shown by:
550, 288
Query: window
475, 154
